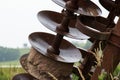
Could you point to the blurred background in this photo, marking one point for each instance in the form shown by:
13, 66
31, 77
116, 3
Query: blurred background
18, 19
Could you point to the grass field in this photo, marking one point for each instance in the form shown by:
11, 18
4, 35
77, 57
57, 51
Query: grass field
8, 73
8, 63
10, 68
15, 62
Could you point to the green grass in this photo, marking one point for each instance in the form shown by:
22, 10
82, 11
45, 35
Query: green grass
8, 73
16, 62
11, 69
74, 77
117, 70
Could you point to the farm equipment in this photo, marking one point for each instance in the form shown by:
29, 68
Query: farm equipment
52, 57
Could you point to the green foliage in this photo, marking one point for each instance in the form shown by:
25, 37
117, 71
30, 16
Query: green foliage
8, 63
8, 54
8, 73
102, 76
74, 77
9, 57
11, 54
111, 76
117, 70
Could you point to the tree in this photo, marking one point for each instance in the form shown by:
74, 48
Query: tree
9, 54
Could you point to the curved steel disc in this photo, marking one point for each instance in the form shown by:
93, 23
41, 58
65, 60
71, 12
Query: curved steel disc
86, 7
23, 61
110, 5
52, 19
23, 76
41, 41
107, 4
34, 69
94, 27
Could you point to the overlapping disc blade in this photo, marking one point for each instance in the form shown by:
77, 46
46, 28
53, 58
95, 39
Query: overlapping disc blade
94, 27
86, 7
107, 4
52, 19
111, 5
41, 41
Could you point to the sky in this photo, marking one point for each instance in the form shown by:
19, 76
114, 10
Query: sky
18, 19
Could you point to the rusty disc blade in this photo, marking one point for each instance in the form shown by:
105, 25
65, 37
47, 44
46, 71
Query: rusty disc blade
52, 19
23, 61
108, 4
111, 5
23, 76
41, 41
95, 27
86, 7
33, 64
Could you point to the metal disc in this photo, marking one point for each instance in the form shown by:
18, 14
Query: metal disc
95, 27
108, 4
86, 7
52, 19
68, 52
23, 76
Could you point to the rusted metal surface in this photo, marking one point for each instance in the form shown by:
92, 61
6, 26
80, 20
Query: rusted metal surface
68, 53
111, 53
23, 76
94, 27
85, 7
80, 19
109, 21
101, 24
107, 4
111, 5
44, 68
52, 20
63, 27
